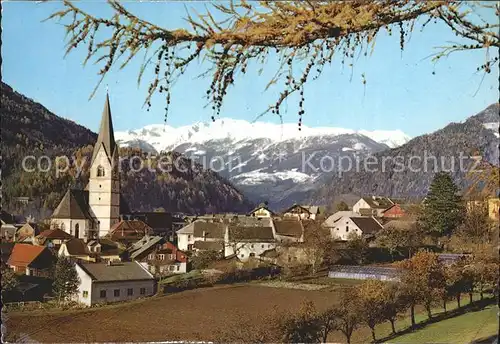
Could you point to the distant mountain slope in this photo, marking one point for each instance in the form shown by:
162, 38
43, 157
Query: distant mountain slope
264, 160
28, 128
477, 136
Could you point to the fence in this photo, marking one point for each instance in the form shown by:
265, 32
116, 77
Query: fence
364, 272
23, 305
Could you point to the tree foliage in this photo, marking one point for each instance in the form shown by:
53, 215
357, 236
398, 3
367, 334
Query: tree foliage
10, 281
306, 35
66, 280
443, 207
401, 239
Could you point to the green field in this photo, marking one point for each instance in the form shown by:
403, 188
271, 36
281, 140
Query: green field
466, 328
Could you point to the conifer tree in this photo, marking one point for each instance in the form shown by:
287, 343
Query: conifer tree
66, 279
443, 207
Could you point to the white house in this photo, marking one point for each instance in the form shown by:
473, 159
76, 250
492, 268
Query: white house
365, 226
332, 219
372, 206
248, 242
113, 282
262, 211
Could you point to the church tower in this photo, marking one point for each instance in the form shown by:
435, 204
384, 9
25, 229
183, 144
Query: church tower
104, 183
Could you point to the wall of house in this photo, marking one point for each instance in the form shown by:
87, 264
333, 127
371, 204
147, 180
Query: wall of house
244, 251
85, 285
184, 240
361, 204
285, 239
343, 228
123, 286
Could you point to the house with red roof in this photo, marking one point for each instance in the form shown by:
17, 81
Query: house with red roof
31, 260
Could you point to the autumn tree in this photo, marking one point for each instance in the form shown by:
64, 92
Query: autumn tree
475, 232
443, 207
66, 280
318, 245
422, 278
372, 298
398, 239
305, 36
358, 248
301, 327
341, 206
348, 313
202, 259
394, 302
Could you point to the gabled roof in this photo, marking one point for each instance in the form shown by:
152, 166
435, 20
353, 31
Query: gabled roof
378, 202
77, 247
250, 234
129, 230
24, 254
74, 205
368, 225
209, 229
262, 206
106, 137
330, 221
291, 228
55, 234
124, 271
147, 244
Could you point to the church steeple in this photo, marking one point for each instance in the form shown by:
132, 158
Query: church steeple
106, 136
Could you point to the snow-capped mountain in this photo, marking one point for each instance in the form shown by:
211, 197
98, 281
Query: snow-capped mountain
273, 162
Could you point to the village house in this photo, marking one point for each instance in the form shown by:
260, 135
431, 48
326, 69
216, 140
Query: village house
129, 231
201, 235
52, 238
372, 206
159, 255
288, 230
262, 211
302, 212
160, 222
31, 260
113, 282
28, 231
247, 242
332, 219
345, 226
98, 250
394, 211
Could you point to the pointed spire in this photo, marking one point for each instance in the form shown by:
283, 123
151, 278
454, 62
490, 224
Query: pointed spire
106, 136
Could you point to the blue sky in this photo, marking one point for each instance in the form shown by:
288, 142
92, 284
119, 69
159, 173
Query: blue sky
401, 91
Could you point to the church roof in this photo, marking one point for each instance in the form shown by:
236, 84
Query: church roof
106, 136
74, 205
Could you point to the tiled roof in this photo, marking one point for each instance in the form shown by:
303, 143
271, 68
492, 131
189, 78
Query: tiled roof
211, 230
378, 202
208, 245
124, 271
146, 245
74, 205
253, 234
129, 230
292, 228
368, 225
76, 247
330, 221
24, 254
55, 234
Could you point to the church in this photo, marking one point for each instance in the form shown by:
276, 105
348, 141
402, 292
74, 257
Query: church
91, 213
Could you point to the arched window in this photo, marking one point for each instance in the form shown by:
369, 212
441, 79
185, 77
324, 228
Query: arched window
63, 227
77, 230
100, 171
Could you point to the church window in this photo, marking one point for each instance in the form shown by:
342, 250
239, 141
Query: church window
100, 171
63, 227
77, 230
